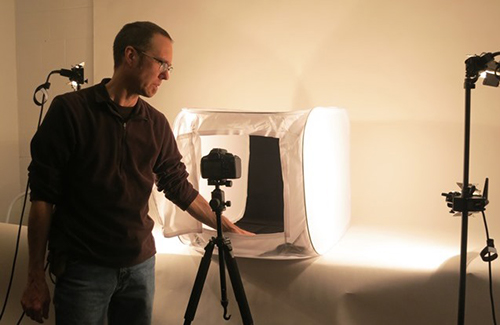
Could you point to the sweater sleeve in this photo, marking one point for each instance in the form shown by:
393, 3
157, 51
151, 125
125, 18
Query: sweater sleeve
51, 149
171, 174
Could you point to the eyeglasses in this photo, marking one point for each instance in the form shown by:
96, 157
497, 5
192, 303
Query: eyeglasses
164, 66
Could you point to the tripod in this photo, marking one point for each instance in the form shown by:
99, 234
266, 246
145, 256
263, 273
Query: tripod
226, 258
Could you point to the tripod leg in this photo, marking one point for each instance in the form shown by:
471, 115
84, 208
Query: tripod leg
222, 274
201, 276
238, 289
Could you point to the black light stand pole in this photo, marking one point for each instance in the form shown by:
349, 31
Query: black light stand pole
469, 85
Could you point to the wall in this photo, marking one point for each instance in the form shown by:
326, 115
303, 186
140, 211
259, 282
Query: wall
50, 35
400, 77
9, 139
397, 67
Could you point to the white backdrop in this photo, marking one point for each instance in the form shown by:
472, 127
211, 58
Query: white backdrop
397, 67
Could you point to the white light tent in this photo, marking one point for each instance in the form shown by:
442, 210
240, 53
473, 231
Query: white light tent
294, 190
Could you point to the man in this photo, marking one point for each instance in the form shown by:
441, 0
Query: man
94, 161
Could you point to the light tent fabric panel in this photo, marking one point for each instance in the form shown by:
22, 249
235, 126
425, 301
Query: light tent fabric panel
297, 205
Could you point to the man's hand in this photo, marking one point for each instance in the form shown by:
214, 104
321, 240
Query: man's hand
228, 226
36, 298
201, 211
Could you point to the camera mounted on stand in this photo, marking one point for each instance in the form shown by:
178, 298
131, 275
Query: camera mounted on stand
218, 167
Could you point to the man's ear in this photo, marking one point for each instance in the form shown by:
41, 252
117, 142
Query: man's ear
131, 56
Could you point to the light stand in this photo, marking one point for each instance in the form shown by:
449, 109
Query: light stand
226, 258
466, 202
76, 77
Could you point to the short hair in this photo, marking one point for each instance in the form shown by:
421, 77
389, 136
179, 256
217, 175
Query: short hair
138, 35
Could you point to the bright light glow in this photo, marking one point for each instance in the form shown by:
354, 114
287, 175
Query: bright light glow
485, 73
327, 176
373, 248
73, 85
169, 245
184, 123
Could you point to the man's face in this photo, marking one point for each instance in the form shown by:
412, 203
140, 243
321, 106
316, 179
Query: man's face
150, 74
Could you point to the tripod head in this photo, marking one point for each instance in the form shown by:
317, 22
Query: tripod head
220, 182
218, 202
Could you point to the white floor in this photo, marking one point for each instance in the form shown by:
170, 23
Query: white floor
369, 278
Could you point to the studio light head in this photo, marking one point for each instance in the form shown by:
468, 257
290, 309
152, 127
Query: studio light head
75, 75
492, 74
483, 66
76, 78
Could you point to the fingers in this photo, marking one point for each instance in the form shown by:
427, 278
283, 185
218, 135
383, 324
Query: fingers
36, 312
237, 230
244, 232
46, 308
36, 301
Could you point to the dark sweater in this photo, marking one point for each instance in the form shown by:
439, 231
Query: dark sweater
98, 170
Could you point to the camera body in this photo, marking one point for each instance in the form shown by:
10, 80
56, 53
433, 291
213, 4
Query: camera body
220, 165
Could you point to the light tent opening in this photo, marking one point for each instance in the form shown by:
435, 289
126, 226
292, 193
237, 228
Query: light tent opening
294, 192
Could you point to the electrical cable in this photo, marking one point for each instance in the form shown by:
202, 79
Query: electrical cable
488, 254
16, 251
15, 256
11, 206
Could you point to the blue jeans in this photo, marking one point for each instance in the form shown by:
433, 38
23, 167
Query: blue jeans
87, 294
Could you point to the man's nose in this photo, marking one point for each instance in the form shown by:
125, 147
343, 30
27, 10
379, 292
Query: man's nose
165, 75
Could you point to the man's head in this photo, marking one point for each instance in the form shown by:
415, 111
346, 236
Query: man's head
143, 57
138, 35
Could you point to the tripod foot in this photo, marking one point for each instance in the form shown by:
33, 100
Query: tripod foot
226, 317
224, 304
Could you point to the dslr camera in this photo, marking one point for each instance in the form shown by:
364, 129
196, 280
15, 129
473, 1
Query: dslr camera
220, 165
